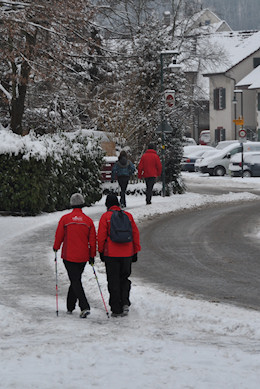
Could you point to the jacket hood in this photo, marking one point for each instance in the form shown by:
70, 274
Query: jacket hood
122, 161
114, 208
111, 200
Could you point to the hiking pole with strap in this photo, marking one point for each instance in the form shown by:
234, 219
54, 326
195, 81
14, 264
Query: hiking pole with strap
56, 272
100, 290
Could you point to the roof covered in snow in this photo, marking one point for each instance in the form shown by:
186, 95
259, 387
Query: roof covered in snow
217, 53
252, 80
237, 45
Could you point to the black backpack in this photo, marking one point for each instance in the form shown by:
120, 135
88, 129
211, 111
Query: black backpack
120, 227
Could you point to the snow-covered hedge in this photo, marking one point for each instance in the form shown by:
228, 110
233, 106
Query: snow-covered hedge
39, 173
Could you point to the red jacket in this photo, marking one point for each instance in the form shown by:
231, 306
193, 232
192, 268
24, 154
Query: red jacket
78, 234
113, 249
150, 165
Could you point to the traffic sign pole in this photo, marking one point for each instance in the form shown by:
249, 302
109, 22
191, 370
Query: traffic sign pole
170, 98
242, 133
242, 160
242, 136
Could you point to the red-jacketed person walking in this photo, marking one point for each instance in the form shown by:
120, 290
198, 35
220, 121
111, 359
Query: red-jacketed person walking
149, 168
77, 234
118, 255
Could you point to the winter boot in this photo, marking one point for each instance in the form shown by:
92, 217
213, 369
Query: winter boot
84, 313
125, 310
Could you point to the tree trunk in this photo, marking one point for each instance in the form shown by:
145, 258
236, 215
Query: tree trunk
19, 89
17, 110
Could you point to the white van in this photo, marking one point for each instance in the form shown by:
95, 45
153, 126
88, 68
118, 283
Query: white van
218, 163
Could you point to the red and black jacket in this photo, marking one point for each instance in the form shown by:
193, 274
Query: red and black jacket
150, 165
113, 249
78, 234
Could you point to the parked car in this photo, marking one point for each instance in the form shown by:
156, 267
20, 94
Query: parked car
224, 143
191, 154
106, 171
251, 165
188, 141
218, 163
204, 138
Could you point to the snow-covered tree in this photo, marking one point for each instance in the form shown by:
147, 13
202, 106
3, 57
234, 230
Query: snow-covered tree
53, 46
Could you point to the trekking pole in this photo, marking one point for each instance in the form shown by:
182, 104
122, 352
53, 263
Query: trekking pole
100, 291
56, 271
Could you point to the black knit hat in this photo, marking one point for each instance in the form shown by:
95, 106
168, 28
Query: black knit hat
111, 200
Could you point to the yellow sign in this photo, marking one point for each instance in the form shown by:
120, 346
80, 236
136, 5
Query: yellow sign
239, 121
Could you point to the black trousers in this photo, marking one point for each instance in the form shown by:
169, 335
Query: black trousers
118, 270
123, 182
150, 181
76, 291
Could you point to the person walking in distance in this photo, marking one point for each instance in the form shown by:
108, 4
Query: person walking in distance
123, 169
76, 232
118, 256
149, 168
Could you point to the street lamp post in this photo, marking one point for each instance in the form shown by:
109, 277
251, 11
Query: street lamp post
173, 67
240, 91
234, 101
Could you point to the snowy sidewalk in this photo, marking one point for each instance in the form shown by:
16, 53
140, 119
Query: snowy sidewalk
165, 342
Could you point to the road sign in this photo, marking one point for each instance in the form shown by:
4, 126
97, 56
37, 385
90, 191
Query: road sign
239, 121
165, 127
242, 133
170, 97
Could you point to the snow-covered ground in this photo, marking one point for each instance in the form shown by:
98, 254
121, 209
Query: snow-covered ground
165, 342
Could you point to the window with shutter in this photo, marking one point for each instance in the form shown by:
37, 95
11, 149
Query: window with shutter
256, 62
219, 98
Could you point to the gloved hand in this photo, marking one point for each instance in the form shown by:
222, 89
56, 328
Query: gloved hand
55, 250
134, 258
91, 261
102, 257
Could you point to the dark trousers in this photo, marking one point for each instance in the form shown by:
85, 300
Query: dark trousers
118, 270
150, 181
76, 291
123, 182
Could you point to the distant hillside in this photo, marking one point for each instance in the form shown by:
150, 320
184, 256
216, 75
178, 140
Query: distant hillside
239, 14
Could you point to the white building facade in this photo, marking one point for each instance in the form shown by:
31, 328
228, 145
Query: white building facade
229, 99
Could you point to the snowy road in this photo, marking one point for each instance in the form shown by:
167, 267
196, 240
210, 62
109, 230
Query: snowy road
209, 252
188, 347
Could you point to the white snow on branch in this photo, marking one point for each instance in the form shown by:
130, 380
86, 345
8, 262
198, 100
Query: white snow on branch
6, 93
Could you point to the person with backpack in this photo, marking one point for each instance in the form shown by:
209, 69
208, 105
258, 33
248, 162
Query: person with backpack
118, 245
149, 168
77, 234
123, 169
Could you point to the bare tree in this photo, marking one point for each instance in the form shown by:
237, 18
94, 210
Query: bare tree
44, 41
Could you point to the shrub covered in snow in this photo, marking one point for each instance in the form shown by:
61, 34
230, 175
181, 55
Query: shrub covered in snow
39, 173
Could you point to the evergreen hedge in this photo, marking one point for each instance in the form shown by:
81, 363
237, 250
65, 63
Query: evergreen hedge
42, 174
